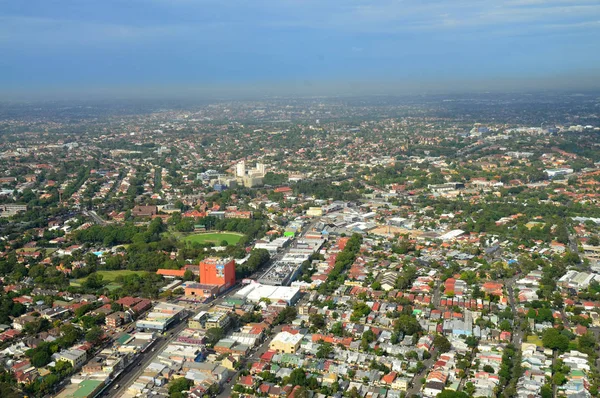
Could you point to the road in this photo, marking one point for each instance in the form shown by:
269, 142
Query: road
517, 335
416, 386
255, 355
94, 216
137, 367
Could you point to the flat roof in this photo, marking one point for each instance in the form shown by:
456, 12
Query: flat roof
86, 388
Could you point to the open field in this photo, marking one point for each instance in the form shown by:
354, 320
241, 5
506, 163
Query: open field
215, 237
109, 276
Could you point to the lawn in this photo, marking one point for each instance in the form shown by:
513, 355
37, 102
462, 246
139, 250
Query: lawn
109, 276
535, 340
231, 237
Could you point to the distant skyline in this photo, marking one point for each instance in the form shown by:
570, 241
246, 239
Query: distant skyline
215, 48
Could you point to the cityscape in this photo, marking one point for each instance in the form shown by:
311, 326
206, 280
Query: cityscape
300, 199
324, 247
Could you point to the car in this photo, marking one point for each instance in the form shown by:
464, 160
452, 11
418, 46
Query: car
117, 386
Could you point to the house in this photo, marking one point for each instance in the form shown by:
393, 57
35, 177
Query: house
144, 211
229, 362
433, 388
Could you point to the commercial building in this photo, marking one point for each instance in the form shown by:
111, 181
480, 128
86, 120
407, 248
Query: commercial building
209, 320
286, 342
558, 172
74, 356
162, 316
240, 169
9, 210
218, 271
200, 290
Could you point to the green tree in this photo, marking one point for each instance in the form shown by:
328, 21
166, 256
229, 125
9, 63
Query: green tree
297, 377
213, 335
188, 275
554, 339
178, 385
317, 320
93, 281
452, 394
407, 324
40, 359
441, 343
94, 335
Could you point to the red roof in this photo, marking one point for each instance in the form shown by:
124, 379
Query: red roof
171, 272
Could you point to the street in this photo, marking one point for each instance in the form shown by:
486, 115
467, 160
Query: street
129, 375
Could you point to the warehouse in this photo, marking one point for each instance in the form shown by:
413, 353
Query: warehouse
254, 292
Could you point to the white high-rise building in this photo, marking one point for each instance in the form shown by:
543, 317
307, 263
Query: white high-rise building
240, 170
260, 168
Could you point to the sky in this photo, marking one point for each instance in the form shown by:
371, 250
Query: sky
85, 48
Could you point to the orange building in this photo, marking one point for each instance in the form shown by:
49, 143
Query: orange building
172, 273
218, 271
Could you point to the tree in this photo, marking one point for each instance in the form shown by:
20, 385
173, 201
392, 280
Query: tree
470, 389
297, 377
188, 275
178, 385
594, 241
317, 320
555, 340
407, 324
472, 341
488, 368
452, 394
587, 343
94, 335
441, 343
213, 335
287, 315
324, 350
546, 391
93, 281
337, 329
505, 325
559, 379
40, 359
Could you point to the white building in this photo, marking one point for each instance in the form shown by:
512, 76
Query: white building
240, 169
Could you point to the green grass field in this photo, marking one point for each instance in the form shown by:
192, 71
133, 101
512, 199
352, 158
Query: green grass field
535, 340
231, 237
109, 276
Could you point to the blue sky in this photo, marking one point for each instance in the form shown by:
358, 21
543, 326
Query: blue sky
170, 46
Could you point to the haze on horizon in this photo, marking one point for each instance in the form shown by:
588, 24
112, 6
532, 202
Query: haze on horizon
277, 47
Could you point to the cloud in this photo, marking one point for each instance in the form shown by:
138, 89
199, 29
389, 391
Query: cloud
97, 22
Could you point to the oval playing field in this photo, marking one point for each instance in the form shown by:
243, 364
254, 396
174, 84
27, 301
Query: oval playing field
216, 237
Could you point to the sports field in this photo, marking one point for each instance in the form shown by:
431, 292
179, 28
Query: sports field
216, 238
